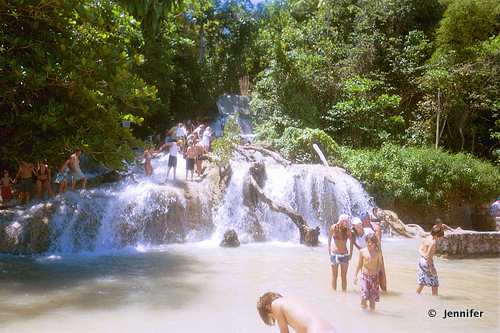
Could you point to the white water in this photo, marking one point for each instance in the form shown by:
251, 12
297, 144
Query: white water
92, 284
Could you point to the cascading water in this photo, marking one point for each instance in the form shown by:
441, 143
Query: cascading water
155, 212
319, 194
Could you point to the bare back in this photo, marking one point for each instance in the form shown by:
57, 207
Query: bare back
299, 316
427, 248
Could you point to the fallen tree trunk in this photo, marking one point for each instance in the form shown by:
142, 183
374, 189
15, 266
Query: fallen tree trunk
398, 227
307, 236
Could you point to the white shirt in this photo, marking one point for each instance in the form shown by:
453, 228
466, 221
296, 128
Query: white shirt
174, 150
361, 240
206, 138
181, 131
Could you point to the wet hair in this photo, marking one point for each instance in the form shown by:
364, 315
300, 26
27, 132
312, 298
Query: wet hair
373, 239
437, 231
264, 300
5, 171
438, 220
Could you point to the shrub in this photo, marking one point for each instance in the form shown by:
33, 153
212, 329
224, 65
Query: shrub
422, 177
296, 144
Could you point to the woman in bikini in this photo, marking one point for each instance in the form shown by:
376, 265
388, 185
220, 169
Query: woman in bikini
43, 180
148, 155
338, 250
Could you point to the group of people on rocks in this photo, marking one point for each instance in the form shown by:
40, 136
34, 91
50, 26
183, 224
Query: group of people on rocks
186, 140
31, 177
365, 234
182, 139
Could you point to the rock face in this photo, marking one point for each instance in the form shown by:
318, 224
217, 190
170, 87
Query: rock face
75, 222
231, 104
29, 235
228, 106
469, 244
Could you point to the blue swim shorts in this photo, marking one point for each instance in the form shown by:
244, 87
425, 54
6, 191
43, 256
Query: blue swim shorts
78, 174
339, 258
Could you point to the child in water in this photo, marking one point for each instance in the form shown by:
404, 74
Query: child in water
370, 258
289, 311
427, 275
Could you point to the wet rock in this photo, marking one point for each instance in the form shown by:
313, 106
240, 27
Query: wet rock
312, 237
469, 244
230, 239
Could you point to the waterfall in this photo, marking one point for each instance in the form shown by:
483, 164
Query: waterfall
319, 194
155, 212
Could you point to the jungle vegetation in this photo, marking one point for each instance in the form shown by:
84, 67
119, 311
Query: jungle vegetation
363, 77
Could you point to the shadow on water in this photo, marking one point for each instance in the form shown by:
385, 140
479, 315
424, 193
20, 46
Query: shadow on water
33, 286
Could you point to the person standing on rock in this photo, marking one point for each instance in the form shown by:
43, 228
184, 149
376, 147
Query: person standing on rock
74, 168
174, 150
26, 183
190, 159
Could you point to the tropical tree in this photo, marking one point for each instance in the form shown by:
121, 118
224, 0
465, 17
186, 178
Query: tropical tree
67, 80
461, 83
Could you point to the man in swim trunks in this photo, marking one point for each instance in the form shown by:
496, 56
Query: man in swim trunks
26, 183
174, 150
427, 274
74, 168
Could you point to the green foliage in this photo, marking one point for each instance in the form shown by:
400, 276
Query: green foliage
365, 115
224, 147
423, 178
296, 144
465, 24
67, 80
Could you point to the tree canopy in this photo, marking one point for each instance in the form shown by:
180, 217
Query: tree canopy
421, 73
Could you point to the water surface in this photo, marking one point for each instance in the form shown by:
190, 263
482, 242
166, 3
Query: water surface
200, 287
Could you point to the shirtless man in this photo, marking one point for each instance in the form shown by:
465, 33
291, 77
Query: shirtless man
289, 311
370, 259
26, 183
199, 157
427, 274
74, 168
